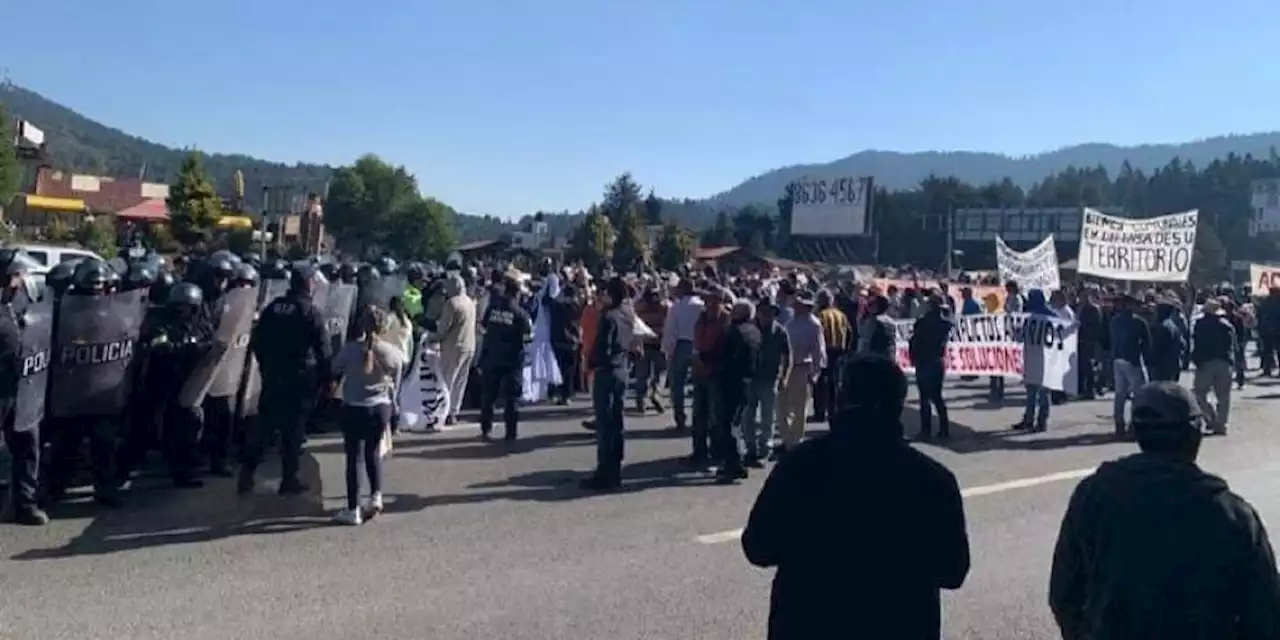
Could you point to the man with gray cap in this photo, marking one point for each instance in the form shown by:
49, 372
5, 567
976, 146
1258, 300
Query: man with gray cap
740, 360
1151, 546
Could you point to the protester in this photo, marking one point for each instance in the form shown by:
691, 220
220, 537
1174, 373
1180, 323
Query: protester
608, 359
1151, 546
1035, 414
837, 334
808, 357
851, 560
369, 369
740, 362
677, 345
1213, 355
928, 350
1130, 343
456, 333
770, 379
708, 350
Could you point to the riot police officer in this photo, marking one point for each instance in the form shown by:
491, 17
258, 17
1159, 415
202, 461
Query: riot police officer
177, 346
507, 328
22, 440
246, 275
291, 344
141, 275
387, 266
92, 278
347, 273
58, 279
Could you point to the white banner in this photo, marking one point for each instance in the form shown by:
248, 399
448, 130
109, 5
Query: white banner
1149, 250
830, 207
1036, 268
1262, 277
1039, 349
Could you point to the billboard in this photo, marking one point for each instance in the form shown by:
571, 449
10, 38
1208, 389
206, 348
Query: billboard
831, 206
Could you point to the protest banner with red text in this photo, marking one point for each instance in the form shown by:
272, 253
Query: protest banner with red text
1039, 349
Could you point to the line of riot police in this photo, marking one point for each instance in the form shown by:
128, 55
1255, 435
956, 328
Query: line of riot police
131, 360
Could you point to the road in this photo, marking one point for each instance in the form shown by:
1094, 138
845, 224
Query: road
492, 541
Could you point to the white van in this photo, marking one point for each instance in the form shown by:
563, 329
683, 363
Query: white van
43, 257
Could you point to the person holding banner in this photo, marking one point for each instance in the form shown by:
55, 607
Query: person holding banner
1130, 344
928, 350
1035, 417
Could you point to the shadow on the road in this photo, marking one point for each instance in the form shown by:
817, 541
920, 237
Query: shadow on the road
159, 515
562, 485
966, 439
475, 449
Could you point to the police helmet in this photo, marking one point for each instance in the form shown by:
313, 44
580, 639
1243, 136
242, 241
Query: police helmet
59, 277
252, 258
416, 272
94, 274
347, 272
276, 270
220, 266
141, 275
387, 266
14, 261
303, 278
185, 294
160, 288
246, 275
367, 274
330, 271
225, 254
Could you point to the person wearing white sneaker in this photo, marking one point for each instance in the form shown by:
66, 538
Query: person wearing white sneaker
368, 368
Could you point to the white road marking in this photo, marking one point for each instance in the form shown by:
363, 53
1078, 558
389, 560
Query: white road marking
971, 492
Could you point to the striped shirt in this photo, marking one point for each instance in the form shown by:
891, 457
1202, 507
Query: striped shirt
836, 331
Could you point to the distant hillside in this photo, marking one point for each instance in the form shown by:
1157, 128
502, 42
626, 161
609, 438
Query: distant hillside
80, 144
896, 171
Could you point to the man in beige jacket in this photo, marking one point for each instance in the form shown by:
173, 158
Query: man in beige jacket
456, 334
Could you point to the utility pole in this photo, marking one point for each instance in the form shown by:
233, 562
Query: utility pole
951, 238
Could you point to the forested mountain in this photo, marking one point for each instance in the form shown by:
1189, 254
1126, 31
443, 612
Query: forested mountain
896, 171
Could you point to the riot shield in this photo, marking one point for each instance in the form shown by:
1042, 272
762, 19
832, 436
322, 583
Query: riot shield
382, 290
232, 339
320, 293
251, 389
337, 313
238, 312
93, 346
272, 289
33, 383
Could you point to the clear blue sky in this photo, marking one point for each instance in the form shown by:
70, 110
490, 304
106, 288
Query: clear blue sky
507, 106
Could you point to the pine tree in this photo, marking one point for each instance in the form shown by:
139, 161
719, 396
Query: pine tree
194, 205
593, 240
675, 247
632, 248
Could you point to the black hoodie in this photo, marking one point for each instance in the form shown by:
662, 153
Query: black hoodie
1153, 547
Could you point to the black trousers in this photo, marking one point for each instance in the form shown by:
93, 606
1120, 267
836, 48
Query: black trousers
283, 411
1088, 379
706, 398
726, 434
67, 434
24, 451
567, 358
500, 385
824, 390
181, 440
219, 422
929, 380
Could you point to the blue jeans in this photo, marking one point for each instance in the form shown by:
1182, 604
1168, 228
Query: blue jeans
678, 377
1129, 378
1036, 414
757, 417
648, 370
607, 392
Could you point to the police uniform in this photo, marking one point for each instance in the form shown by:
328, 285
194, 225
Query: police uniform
22, 441
507, 328
178, 345
291, 344
92, 278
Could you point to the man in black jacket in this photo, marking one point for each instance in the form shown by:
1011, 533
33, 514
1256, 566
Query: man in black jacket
928, 350
853, 560
740, 358
1151, 546
608, 359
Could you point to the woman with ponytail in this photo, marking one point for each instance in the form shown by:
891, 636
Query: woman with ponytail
369, 368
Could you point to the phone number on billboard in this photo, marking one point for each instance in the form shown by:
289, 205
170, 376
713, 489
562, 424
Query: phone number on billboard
838, 191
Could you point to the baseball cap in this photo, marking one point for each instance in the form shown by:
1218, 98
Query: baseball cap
1165, 405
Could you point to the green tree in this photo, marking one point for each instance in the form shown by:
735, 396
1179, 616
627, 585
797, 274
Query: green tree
98, 235
620, 198
1209, 261
592, 242
10, 169
363, 197
675, 247
240, 240
652, 209
721, 234
194, 205
631, 251
422, 230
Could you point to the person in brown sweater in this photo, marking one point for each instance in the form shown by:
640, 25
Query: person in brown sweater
652, 310
708, 347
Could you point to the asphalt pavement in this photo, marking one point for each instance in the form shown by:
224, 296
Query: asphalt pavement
486, 540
